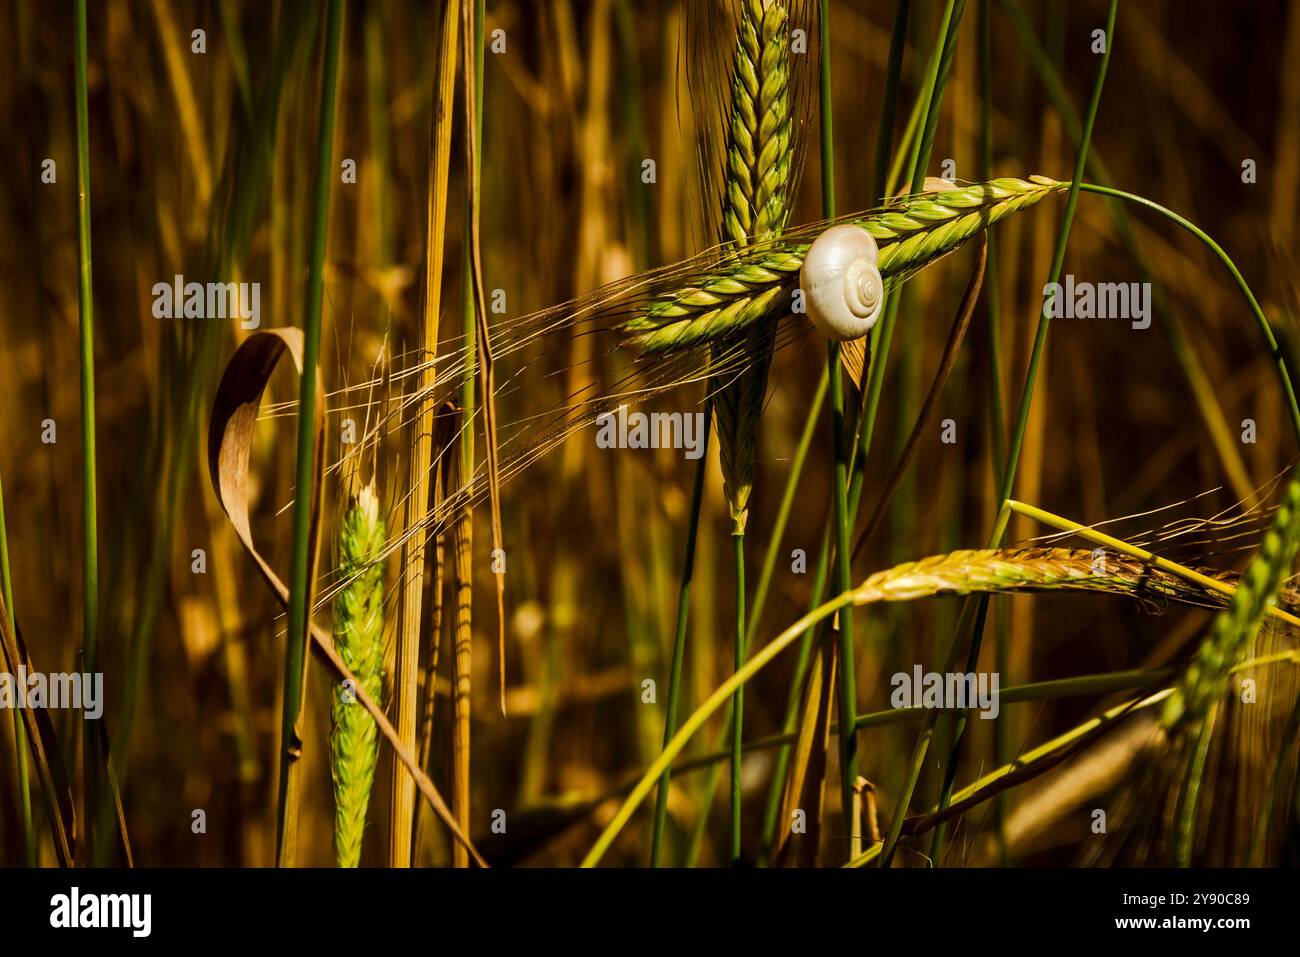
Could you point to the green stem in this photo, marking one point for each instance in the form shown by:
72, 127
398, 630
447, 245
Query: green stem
757, 604
1260, 319
923, 146
1206, 399
776, 787
827, 137
1058, 263
959, 730
936, 80
1080, 685
1008, 775
20, 729
90, 534
904, 148
843, 582
797, 463
738, 699
884, 136
700, 715
1190, 797
304, 497
997, 414
848, 688
931, 96
462, 750
882, 186
679, 639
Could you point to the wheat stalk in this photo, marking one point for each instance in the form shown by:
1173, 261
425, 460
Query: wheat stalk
758, 284
359, 638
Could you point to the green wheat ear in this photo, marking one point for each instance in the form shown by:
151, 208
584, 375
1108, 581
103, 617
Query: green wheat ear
755, 207
1207, 676
359, 638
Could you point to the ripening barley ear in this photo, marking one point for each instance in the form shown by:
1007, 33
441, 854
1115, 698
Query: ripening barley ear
754, 286
755, 207
358, 636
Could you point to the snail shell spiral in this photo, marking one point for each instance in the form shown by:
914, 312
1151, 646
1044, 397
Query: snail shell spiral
842, 287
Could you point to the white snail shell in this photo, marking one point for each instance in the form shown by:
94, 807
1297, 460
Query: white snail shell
841, 283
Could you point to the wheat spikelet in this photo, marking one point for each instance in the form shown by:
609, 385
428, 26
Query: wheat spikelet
358, 636
755, 204
756, 285
1207, 676
1030, 570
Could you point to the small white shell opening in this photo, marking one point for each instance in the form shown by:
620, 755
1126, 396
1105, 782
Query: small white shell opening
842, 288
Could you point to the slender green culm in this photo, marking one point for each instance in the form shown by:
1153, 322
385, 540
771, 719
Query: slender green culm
305, 479
997, 414
359, 638
1189, 797
90, 521
1185, 352
679, 640
917, 142
738, 699
776, 784
20, 729
1261, 321
1058, 262
754, 616
893, 71
841, 457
